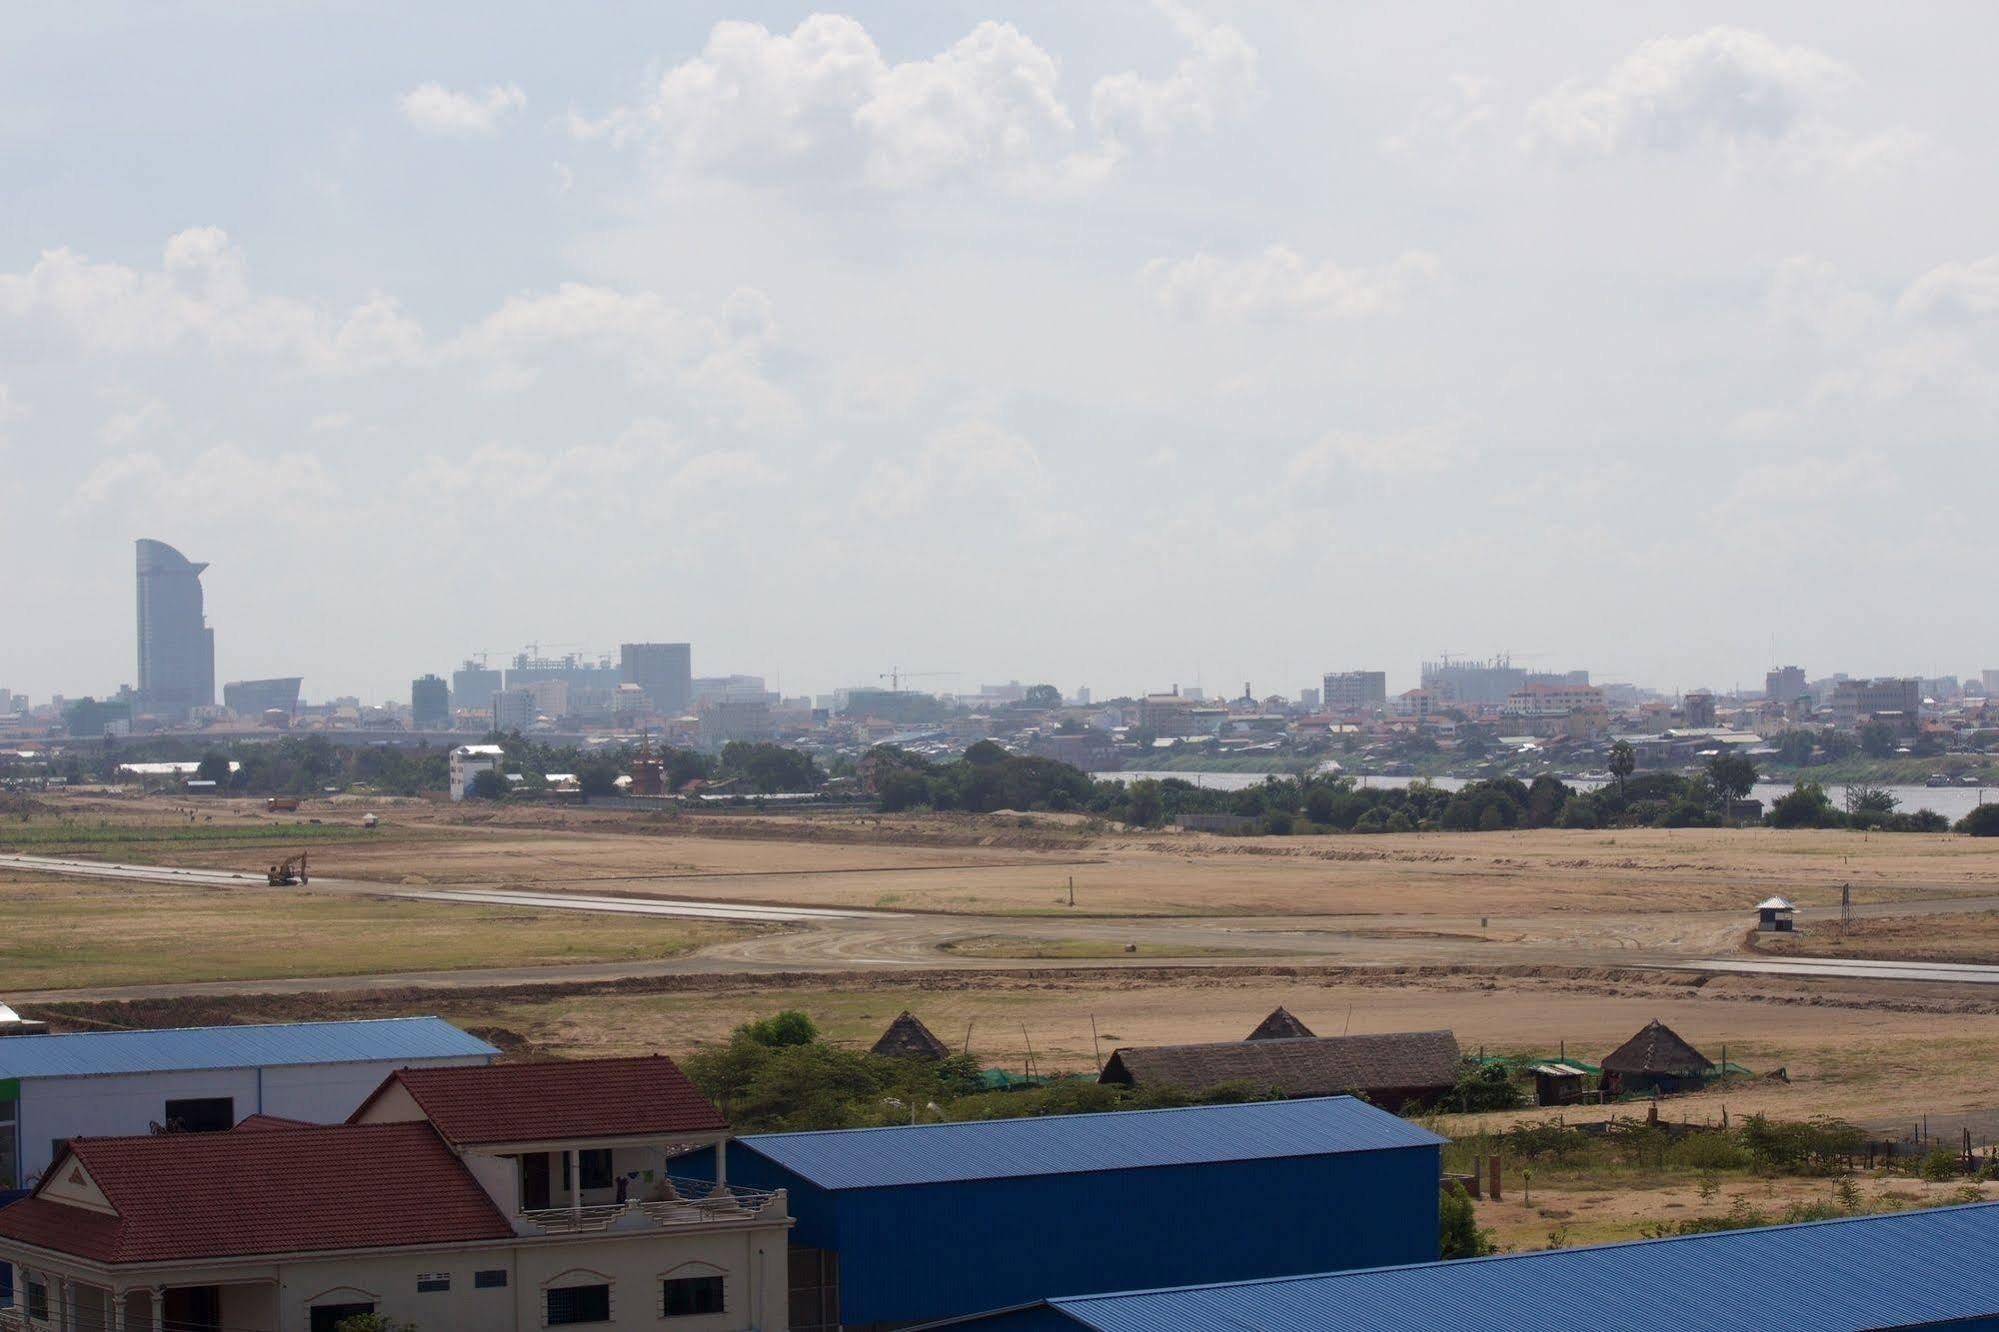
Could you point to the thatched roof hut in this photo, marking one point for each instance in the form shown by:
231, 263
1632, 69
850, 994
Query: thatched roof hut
1278, 1026
908, 1038
1391, 1069
1656, 1059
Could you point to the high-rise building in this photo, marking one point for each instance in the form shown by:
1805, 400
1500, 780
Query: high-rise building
1473, 682
1699, 708
254, 698
1785, 685
176, 646
430, 703
472, 686
513, 709
664, 670
1354, 691
1991, 679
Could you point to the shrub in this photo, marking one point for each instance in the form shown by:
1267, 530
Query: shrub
1981, 822
789, 1027
1818, 1144
1483, 1087
1458, 1234
1708, 1151
1938, 1165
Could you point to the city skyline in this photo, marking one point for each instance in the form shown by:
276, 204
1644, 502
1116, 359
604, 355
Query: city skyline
1111, 345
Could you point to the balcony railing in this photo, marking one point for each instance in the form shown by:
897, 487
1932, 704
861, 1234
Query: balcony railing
669, 1201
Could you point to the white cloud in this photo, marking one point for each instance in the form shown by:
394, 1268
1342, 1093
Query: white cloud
1725, 86
1806, 295
824, 100
10, 411
201, 293
972, 460
1281, 283
1340, 454
436, 109
1216, 80
1954, 290
1446, 123
224, 479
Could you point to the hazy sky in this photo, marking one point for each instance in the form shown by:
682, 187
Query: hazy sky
1114, 343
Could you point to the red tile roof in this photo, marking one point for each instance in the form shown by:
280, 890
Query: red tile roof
193, 1196
551, 1102
259, 1122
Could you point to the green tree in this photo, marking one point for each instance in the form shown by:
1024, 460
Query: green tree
214, 767
1806, 805
1878, 740
598, 779
1732, 775
1981, 822
788, 1027
1865, 799
1043, 696
1623, 762
488, 785
1458, 1234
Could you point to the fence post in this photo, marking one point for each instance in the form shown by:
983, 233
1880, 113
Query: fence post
1495, 1176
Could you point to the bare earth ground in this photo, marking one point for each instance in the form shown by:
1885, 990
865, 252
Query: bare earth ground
1969, 936
1509, 939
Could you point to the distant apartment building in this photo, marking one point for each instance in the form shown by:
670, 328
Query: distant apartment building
552, 698
473, 686
1786, 685
468, 761
254, 698
1557, 709
1090, 750
727, 719
1418, 703
176, 646
430, 703
1558, 678
665, 671
1990, 679
1473, 683
513, 709
1354, 691
1308, 700
1698, 708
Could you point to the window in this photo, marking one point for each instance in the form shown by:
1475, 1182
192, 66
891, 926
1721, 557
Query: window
593, 1167
490, 1279
38, 1301
690, 1295
579, 1304
204, 1114
329, 1317
428, 1283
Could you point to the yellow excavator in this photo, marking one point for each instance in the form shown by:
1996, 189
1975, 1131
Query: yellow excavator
289, 872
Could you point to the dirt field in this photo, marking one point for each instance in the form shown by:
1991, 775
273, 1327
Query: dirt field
74, 933
1971, 936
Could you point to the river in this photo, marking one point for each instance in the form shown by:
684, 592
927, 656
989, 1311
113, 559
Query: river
1953, 802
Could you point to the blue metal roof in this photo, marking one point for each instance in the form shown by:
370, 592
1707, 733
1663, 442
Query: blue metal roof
94, 1053
1906, 1269
1073, 1144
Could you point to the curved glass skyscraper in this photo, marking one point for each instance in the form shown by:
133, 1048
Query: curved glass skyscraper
176, 646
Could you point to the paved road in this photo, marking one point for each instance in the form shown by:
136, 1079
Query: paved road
822, 940
629, 906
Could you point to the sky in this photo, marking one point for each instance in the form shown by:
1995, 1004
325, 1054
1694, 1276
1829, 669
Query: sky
1119, 344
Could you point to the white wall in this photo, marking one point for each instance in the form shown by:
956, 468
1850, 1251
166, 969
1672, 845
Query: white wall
125, 1104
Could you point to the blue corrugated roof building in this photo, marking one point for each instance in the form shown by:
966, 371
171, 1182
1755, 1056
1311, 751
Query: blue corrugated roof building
1901, 1270
108, 1083
931, 1221
98, 1053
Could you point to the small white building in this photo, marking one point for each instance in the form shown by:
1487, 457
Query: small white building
1775, 915
468, 761
111, 1083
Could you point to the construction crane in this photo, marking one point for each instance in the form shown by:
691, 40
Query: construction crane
895, 675
288, 872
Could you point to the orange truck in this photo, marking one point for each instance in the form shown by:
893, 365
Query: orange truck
281, 802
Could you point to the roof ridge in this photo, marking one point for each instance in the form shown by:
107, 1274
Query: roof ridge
297, 1126
1278, 1040
250, 1026
1085, 1114
462, 1070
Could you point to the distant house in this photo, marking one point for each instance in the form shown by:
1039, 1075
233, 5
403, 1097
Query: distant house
1280, 1025
1656, 1059
908, 1038
1390, 1070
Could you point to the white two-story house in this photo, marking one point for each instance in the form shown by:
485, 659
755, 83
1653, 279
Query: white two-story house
515, 1196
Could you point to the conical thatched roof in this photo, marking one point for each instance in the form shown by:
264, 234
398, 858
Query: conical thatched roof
1278, 1026
1657, 1049
908, 1038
